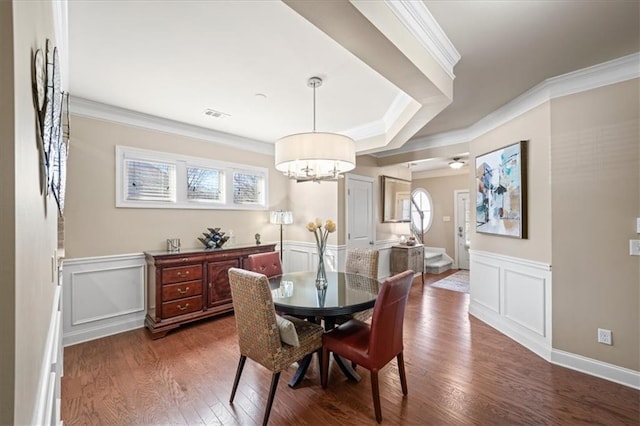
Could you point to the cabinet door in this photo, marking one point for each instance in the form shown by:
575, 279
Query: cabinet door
415, 260
219, 290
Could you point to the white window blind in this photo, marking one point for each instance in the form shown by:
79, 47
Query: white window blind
247, 188
204, 184
150, 181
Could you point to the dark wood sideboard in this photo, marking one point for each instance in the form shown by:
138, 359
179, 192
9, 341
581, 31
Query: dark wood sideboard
191, 284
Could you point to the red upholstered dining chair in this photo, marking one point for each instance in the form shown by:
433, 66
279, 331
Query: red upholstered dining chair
265, 263
373, 346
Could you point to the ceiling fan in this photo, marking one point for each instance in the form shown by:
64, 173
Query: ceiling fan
456, 163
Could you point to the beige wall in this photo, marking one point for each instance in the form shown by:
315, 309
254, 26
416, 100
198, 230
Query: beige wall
441, 189
367, 166
595, 169
95, 227
7, 216
308, 201
34, 225
534, 126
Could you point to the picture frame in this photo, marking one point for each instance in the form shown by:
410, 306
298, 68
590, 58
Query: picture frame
396, 200
501, 191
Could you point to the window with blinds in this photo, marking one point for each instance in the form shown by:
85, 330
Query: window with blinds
247, 188
204, 184
152, 179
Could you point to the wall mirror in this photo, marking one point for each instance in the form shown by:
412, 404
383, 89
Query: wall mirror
396, 200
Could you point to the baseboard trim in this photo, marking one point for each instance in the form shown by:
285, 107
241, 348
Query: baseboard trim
603, 370
85, 335
510, 329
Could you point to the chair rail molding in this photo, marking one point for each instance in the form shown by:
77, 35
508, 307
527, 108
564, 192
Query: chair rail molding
102, 296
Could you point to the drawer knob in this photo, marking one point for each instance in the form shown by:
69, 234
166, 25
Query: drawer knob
184, 259
180, 273
182, 308
185, 291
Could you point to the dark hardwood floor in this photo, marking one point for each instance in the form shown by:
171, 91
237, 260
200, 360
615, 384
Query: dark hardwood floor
459, 371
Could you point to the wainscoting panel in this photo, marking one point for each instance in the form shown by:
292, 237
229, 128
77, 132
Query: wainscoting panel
102, 296
514, 296
524, 294
487, 294
47, 406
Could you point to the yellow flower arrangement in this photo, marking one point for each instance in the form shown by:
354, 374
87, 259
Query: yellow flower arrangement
321, 234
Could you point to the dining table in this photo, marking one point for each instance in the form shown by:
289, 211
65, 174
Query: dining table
297, 294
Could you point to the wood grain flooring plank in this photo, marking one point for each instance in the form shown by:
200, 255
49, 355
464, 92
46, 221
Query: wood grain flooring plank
459, 371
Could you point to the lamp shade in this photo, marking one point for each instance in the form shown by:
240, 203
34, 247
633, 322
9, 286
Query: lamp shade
281, 217
315, 156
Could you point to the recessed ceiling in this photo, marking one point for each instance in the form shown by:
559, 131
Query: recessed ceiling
251, 60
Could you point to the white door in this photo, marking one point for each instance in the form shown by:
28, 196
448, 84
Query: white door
360, 212
462, 229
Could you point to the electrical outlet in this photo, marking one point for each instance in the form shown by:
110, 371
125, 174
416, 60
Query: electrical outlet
604, 336
634, 247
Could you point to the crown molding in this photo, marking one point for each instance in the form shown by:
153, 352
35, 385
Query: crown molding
415, 16
61, 26
382, 126
427, 174
88, 108
607, 73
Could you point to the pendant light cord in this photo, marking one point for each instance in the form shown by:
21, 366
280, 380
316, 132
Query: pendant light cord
314, 108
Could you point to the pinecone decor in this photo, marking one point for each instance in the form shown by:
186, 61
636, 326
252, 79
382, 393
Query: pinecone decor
214, 238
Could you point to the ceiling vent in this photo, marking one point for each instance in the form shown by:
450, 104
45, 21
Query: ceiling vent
215, 114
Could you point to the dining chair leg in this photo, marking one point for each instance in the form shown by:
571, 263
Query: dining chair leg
272, 393
319, 352
324, 369
375, 391
243, 358
403, 376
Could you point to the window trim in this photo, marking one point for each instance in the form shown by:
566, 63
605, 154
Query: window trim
427, 226
182, 162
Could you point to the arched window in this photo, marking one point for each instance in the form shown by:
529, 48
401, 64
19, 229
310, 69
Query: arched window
421, 211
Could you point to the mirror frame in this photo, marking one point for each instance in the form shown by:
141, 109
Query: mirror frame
388, 216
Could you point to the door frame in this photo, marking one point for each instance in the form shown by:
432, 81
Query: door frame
456, 192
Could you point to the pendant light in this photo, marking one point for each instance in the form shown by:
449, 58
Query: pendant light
315, 156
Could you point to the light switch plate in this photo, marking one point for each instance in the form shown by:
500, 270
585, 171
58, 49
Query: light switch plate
638, 225
634, 247
446, 218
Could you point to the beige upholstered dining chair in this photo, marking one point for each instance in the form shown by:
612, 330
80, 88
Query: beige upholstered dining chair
374, 346
262, 335
362, 262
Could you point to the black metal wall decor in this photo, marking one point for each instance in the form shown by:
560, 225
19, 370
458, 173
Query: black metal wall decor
53, 133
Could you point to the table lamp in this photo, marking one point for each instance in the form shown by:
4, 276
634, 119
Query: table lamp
281, 217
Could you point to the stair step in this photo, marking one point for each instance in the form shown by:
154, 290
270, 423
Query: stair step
439, 266
432, 255
438, 263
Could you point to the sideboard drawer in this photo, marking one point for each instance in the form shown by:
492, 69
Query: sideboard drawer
181, 306
180, 290
181, 274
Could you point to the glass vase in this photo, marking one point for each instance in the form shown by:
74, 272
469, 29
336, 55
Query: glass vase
321, 275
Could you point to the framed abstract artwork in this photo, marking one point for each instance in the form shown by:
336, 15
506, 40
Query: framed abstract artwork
501, 191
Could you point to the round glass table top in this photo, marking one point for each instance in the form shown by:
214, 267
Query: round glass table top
296, 293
